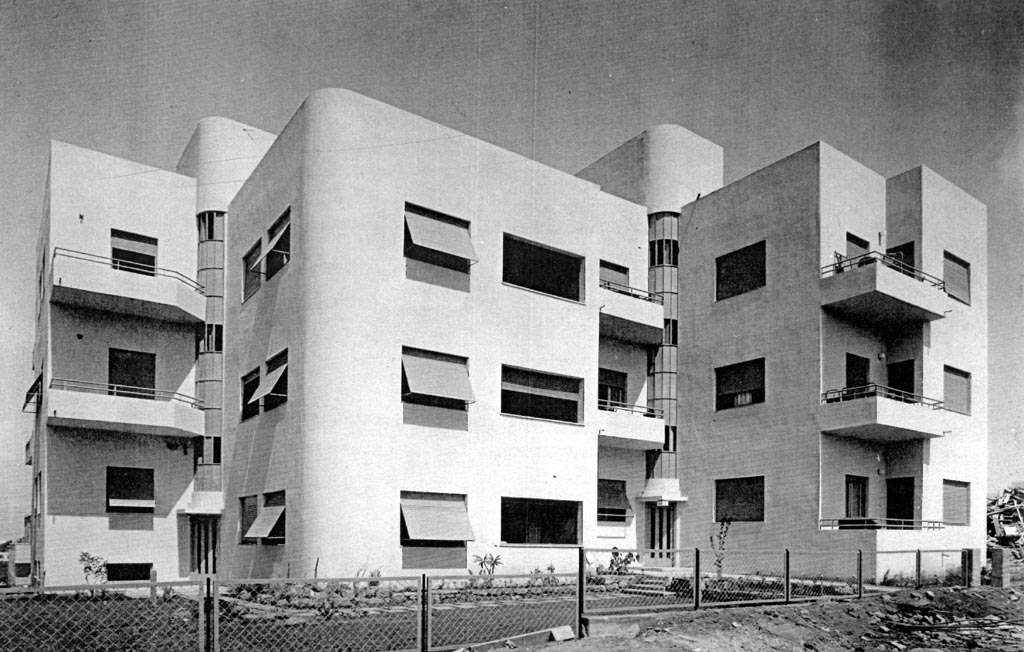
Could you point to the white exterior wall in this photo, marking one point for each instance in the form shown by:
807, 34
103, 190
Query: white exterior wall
345, 309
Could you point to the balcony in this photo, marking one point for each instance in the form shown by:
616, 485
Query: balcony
102, 283
621, 425
879, 290
631, 314
878, 524
119, 408
879, 413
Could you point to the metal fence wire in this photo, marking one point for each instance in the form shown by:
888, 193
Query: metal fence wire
363, 614
469, 610
129, 616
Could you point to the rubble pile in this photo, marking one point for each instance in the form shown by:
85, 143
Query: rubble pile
1006, 520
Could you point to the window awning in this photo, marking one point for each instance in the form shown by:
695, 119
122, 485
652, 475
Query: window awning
437, 377
267, 384
270, 247
612, 495
437, 519
132, 503
265, 522
440, 236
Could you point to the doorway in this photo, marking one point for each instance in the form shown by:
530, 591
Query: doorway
899, 503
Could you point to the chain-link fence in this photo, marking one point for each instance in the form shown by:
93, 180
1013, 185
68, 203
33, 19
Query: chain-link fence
123, 616
362, 614
917, 568
490, 607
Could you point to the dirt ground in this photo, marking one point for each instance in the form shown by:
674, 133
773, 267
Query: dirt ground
950, 620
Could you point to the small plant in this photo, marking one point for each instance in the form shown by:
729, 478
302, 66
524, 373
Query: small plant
487, 563
94, 568
620, 562
718, 544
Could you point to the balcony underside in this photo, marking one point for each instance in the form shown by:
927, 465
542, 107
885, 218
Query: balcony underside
882, 419
629, 429
126, 305
631, 319
878, 295
74, 409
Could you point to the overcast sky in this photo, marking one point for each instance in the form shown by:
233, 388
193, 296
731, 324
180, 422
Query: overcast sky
892, 84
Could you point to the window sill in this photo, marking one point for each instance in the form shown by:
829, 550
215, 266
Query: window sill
522, 416
566, 546
543, 294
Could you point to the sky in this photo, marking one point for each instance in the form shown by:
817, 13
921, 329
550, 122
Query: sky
892, 84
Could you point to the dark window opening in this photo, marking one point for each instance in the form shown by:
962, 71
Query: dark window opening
529, 520
739, 499
671, 333
214, 340
251, 273
22, 569
276, 534
536, 267
247, 510
279, 244
131, 373
739, 384
670, 439
250, 383
278, 394
663, 252
902, 258
856, 247
856, 370
611, 389
211, 225
856, 496
612, 501
540, 395
130, 490
740, 271
131, 252
128, 572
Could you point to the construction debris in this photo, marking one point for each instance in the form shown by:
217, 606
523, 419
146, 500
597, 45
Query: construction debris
1006, 519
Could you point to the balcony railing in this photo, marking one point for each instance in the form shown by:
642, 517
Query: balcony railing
616, 406
878, 524
843, 263
873, 389
130, 266
636, 293
113, 389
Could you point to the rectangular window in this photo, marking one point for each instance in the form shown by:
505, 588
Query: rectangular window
544, 396
434, 529
134, 253
22, 569
612, 275
128, 572
214, 340
671, 332
956, 390
247, 510
435, 379
856, 496
438, 248
279, 244
530, 520
268, 524
956, 502
740, 384
856, 247
856, 370
612, 502
275, 382
901, 257
956, 272
251, 272
663, 252
250, 383
131, 373
740, 271
611, 389
739, 499
542, 269
670, 440
130, 490
211, 225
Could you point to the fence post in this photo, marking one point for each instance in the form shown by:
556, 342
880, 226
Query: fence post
215, 612
423, 635
860, 574
696, 579
788, 590
917, 568
581, 591
152, 586
203, 625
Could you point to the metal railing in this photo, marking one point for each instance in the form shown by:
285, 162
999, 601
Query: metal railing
636, 293
129, 266
617, 406
843, 263
874, 389
872, 523
113, 389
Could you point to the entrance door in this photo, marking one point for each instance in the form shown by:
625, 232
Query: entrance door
204, 540
899, 502
901, 378
661, 533
856, 371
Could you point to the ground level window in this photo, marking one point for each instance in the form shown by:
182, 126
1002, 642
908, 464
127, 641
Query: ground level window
434, 529
612, 503
956, 502
531, 520
130, 490
128, 572
739, 499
